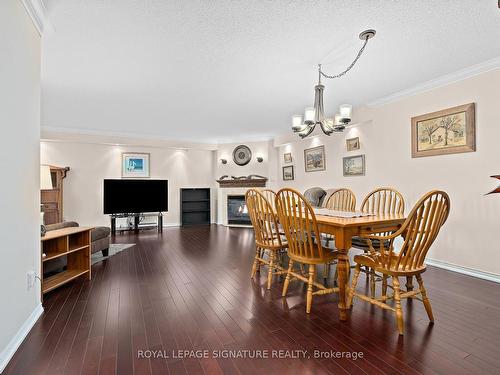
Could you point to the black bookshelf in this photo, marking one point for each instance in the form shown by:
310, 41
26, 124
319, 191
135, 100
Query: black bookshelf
195, 206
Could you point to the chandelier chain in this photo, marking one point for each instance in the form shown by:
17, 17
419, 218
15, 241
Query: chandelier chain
349, 67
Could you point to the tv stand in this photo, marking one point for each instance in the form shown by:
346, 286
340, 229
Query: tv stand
137, 218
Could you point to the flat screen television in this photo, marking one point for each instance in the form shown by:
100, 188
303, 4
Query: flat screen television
135, 196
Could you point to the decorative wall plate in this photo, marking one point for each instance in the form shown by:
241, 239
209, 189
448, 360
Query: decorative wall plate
242, 155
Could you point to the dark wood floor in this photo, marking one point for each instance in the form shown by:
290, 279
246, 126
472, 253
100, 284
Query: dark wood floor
189, 289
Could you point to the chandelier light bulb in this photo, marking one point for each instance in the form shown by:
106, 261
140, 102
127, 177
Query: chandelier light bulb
297, 121
309, 115
345, 112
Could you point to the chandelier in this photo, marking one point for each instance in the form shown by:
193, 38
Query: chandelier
315, 115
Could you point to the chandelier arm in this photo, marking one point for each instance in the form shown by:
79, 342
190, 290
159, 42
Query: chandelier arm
349, 67
309, 131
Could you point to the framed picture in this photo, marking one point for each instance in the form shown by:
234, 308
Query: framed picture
288, 173
354, 165
287, 157
135, 165
450, 131
314, 159
352, 144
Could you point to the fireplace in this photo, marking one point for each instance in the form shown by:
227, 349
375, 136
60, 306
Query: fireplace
237, 212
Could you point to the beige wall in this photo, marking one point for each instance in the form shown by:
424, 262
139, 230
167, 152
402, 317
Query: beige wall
91, 163
19, 190
468, 239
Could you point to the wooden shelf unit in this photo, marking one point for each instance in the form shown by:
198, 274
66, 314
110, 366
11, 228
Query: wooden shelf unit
74, 243
195, 206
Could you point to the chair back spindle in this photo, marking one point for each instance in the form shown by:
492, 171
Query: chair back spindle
270, 196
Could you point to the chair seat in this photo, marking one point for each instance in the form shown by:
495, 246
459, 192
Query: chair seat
361, 243
393, 270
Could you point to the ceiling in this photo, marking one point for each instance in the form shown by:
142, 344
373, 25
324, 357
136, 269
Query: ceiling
226, 70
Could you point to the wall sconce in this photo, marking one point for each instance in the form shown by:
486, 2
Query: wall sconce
260, 159
223, 161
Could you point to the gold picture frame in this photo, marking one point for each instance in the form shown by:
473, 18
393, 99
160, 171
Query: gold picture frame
314, 159
352, 144
449, 131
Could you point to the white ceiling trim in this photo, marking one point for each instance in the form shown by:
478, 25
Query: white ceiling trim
57, 134
445, 80
37, 12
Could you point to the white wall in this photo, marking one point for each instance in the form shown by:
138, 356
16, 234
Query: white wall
19, 190
468, 238
266, 168
90, 164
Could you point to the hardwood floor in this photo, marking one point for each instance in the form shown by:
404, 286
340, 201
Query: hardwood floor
189, 289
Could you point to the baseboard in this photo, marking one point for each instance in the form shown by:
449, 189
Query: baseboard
17, 340
464, 270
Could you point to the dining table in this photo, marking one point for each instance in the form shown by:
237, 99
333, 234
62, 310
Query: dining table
344, 226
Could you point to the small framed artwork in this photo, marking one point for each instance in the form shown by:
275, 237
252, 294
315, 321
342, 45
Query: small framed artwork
135, 165
450, 131
314, 159
288, 173
354, 165
287, 157
352, 144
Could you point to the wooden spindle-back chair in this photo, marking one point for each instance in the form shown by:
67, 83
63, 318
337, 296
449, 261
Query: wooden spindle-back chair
341, 200
299, 224
419, 232
267, 236
383, 200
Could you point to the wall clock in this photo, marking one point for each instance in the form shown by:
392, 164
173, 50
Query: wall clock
242, 155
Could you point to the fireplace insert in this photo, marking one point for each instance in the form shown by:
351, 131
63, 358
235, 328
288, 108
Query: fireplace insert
237, 212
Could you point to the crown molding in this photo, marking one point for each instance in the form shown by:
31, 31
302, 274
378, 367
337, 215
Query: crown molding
37, 12
58, 134
445, 80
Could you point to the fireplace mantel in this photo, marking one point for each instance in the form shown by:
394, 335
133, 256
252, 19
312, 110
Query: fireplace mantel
243, 183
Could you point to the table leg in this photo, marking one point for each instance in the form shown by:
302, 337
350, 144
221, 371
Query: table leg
343, 279
409, 283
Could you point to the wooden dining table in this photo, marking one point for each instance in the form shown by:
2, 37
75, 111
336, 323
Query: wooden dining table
343, 229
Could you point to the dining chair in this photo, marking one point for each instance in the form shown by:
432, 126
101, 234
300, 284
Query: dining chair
419, 231
383, 200
267, 237
342, 199
299, 224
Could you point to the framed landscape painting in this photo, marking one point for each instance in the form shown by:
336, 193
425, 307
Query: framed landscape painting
314, 159
354, 165
450, 131
288, 173
287, 157
135, 165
